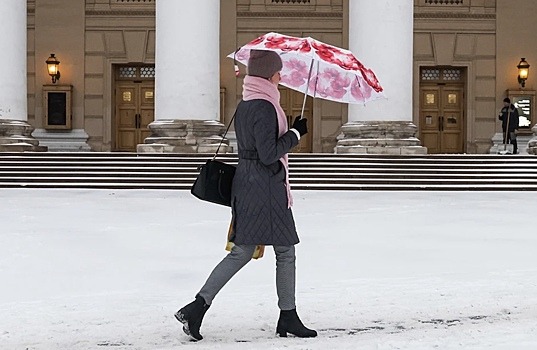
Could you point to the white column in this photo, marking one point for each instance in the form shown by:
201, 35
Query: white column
381, 36
13, 89
187, 60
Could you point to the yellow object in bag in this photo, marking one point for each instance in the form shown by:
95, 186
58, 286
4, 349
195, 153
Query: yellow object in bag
259, 249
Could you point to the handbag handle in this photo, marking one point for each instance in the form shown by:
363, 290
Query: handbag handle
223, 137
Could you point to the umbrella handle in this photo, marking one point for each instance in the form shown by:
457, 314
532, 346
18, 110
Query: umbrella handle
307, 88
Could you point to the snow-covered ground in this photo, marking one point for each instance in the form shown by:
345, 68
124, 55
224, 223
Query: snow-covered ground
104, 269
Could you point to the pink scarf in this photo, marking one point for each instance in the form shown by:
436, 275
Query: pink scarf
259, 88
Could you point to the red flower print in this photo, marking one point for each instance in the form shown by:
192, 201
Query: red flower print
275, 42
361, 92
348, 62
329, 53
371, 79
257, 41
294, 72
304, 46
242, 55
325, 52
294, 79
326, 47
331, 83
287, 43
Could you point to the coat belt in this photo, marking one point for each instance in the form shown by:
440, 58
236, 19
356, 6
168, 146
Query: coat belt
248, 154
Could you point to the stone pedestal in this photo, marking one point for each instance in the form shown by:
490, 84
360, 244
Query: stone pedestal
16, 136
184, 136
232, 138
532, 144
379, 137
63, 140
522, 141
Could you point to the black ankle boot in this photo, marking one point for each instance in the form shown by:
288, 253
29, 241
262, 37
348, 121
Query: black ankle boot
290, 323
191, 316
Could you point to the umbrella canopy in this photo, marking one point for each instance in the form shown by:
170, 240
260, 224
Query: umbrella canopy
317, 69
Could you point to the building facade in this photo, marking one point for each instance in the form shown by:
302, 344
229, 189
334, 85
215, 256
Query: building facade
464, 57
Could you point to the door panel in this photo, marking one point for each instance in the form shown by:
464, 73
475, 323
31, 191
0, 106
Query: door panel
147, 109
442, 118
429, 119
126, 120
429, 132
291, 102
126, 139
146, 118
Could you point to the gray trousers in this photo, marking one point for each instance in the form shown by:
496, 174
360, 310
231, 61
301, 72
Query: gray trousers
239, 256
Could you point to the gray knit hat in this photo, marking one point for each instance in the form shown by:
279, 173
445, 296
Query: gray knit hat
263, 63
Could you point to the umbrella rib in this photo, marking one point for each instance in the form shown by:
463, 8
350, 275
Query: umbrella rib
307, 88
316, 80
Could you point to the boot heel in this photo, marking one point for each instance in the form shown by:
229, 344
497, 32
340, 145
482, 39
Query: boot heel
281, 333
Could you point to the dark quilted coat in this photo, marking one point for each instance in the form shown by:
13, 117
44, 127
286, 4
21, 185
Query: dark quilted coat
259, 196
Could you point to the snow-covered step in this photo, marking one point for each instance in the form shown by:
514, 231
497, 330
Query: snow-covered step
307, 171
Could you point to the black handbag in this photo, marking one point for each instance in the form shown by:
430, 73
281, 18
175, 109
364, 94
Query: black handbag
215, 179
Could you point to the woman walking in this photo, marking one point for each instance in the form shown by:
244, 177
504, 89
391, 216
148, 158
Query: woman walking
261, 199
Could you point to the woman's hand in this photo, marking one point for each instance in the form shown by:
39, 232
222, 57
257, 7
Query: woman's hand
301, 125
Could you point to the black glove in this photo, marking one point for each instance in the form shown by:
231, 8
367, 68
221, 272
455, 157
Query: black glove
301, 125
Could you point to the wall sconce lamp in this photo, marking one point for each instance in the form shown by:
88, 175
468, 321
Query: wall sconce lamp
52, 66
523, 71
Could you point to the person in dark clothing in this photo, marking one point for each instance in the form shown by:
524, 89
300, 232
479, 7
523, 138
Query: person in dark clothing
509, 117
261, 199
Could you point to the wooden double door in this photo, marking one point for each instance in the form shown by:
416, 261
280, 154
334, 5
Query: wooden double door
135, 109
442, 118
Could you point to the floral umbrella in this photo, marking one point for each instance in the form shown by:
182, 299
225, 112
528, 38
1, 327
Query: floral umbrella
317, 69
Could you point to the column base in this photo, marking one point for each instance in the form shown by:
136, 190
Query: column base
16, 136
379, 137
63, 140
185, 136
532, 144
522, 142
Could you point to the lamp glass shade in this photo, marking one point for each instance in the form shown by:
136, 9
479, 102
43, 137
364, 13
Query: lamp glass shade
523, 69
52, 69
523, 73
52, 65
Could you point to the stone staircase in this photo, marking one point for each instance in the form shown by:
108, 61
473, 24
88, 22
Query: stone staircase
307, 171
